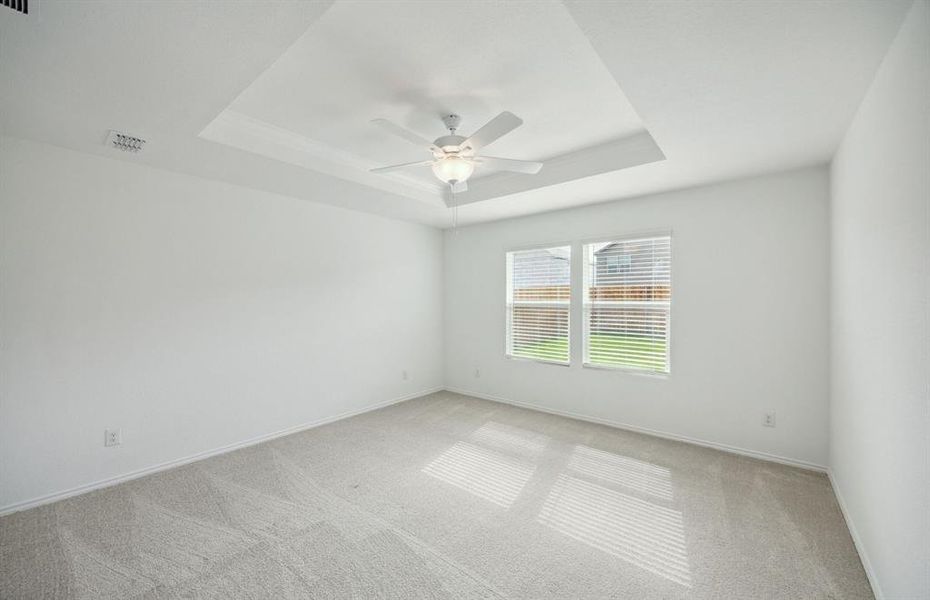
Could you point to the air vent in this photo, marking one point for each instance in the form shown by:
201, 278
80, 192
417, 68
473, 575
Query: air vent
124, 141
17, 5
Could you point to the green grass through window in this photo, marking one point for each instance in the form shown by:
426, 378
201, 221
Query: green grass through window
641, 352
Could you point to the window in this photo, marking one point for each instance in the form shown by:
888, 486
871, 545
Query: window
538, 303
627, 295
618, 262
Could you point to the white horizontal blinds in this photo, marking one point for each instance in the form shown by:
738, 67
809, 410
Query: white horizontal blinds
538, 302
627, 294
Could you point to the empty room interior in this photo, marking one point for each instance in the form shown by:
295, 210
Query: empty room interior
423, 299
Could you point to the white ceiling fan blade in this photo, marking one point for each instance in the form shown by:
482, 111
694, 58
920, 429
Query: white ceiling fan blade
497, 127
419, 163
509, 164
403, 133
459, 186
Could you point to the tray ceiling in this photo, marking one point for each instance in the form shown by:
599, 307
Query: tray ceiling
411, 62
620, 99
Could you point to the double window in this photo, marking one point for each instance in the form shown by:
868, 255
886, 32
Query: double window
626, 298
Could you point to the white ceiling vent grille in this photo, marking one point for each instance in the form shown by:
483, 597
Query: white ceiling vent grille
17, 5
124, 141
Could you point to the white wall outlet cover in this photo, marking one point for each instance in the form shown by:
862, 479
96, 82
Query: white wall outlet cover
768, 419
113, 437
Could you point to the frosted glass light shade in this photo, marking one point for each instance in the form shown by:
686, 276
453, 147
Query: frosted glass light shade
453, 169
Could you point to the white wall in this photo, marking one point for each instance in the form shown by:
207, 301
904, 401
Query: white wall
192, 314
749, 322
880, 407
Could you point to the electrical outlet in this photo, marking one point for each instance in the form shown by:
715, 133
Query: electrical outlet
477, 373
404, 375
768, 419
112, 437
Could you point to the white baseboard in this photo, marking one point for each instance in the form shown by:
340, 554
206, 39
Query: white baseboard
662, 434
854, 533
103, 483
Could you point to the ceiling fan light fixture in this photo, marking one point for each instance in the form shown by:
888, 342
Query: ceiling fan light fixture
453, 169
454, 156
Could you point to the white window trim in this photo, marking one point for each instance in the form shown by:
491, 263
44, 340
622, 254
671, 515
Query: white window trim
643, 234
509, 303
586, 304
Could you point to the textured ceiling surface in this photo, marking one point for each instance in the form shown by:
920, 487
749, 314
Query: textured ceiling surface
314, 105
620, 99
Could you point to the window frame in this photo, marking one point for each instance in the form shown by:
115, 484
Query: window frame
586, 303
508, 301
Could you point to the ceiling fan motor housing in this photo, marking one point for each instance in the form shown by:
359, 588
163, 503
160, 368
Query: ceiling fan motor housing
450, 143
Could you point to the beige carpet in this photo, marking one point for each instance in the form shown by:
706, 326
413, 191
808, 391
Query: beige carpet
445, 496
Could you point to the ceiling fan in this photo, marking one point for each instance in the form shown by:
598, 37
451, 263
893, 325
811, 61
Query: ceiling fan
455, 156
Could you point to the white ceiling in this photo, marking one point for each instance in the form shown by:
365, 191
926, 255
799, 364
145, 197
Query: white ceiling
278, 95
314, 105
351, 66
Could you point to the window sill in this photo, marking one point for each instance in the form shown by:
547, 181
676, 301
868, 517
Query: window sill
557, 363
629, 370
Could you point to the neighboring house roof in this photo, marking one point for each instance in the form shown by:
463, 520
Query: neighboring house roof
607, 247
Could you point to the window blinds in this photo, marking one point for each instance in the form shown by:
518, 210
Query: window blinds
627, 294
538, 303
